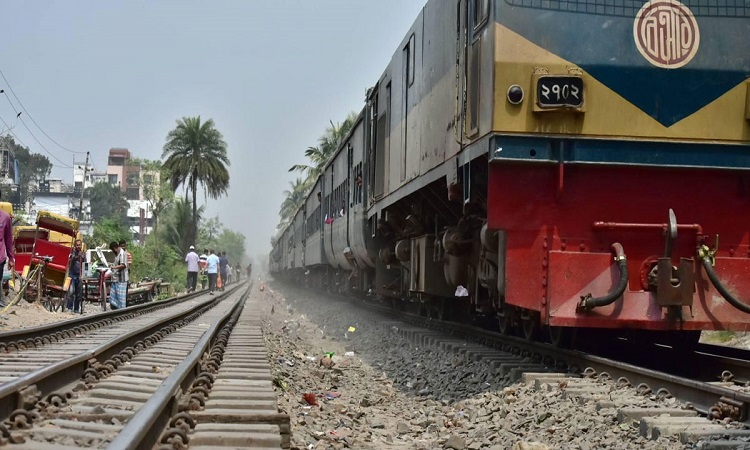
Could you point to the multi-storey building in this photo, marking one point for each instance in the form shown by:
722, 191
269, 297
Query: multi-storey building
128, 175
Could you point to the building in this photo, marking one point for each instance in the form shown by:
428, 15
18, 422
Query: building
128, 175
55, 196
85, 177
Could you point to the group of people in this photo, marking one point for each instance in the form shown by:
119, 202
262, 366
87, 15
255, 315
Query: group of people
212, 267
120, 276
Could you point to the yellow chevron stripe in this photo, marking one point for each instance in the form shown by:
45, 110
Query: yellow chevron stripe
607, 114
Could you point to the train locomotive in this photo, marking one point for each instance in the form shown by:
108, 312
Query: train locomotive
549, 165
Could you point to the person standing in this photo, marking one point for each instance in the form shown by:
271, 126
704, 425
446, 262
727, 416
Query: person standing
75, 267
6, 247
230, 274
124, 247
202, 263
192, 259
212, 267
119, 288
223, 263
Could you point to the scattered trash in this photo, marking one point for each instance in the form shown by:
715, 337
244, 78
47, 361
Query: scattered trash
351, 330
461, 291
281, 384
349, 354
310, 399
327, 360
332, 395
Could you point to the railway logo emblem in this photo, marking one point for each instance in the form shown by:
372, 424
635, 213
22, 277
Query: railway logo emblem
666, 33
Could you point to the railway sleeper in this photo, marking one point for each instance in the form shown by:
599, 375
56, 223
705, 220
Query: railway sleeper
239, 407
87, 416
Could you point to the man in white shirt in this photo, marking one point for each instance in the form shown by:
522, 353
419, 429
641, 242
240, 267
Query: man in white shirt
212, 268
193, 267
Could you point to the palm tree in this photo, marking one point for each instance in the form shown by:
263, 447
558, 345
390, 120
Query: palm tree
295, 197
176, 235
196, 153
326, 148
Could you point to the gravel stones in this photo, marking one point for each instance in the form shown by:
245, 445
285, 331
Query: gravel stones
383, 391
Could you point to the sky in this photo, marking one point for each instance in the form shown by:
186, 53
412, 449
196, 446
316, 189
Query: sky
271, 73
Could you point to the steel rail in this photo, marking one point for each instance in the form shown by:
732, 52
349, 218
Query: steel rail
54, 377
29, 335
145, 427
705, 397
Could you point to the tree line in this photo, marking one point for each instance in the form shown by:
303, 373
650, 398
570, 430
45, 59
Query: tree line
318, 156
194, 158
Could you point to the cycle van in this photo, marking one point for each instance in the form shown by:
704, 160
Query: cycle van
52, 277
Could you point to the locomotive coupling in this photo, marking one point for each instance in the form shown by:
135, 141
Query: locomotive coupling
589, 302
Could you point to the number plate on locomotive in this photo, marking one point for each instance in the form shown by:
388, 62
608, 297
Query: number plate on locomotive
555, 91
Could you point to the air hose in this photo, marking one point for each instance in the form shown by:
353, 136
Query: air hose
707, 261
588, 302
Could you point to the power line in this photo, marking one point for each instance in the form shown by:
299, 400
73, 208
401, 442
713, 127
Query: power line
10, 129
19, 142
32, 119
18, 116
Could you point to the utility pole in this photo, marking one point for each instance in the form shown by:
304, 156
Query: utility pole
83, 188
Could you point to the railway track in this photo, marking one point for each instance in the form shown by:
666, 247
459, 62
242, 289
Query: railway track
711, 380
195, 374
717, 393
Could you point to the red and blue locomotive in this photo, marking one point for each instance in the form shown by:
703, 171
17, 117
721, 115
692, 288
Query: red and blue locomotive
557, 164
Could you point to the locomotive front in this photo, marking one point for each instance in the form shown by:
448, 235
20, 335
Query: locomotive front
619, 157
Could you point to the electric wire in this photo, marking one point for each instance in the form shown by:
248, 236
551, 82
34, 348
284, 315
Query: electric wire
32, 118
18, 141
18, 115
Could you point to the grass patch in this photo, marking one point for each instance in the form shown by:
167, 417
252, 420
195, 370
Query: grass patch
720, 336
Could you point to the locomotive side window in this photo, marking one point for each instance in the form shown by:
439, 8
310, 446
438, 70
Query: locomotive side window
409, 61
480, 13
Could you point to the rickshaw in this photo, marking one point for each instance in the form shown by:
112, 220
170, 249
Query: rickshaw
46, 275
97, 276
23, 243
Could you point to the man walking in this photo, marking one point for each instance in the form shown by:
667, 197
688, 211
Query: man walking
202, 263
192, 259
212, 267
223, 263
118, 290
75, 267
6, 247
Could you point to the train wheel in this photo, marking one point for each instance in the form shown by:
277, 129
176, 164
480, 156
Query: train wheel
531, 327
505, 321
561, 337
437, 308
